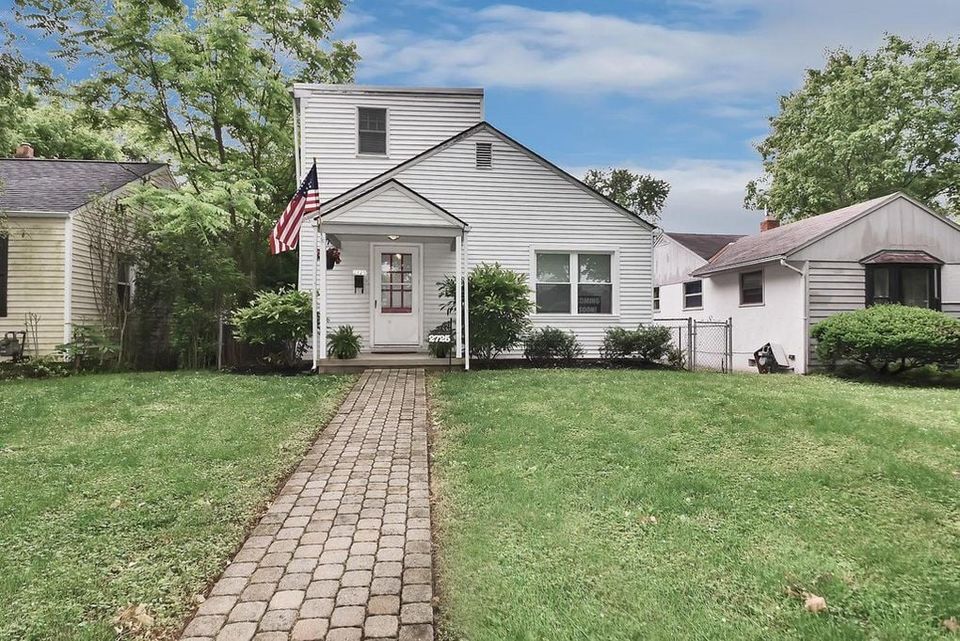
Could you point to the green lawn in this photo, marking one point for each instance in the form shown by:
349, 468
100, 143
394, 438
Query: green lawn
136, 488
761, 488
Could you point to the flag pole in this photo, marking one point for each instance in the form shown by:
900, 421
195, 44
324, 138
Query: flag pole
316, 261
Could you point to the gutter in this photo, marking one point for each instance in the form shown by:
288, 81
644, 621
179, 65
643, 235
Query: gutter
805, 319
68, 280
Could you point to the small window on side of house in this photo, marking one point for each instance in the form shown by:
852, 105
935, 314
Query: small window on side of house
124, 281
751, 288
372, 131
656, 299
484, 155
693, 294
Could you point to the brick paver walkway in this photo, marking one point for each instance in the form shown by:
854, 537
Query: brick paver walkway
343, 553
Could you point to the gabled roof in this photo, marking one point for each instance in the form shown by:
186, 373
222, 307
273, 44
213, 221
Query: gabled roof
466, 133
704, 245
440, 215
782, 241
61, 186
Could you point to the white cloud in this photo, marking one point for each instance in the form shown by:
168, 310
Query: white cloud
577, 51
705, 195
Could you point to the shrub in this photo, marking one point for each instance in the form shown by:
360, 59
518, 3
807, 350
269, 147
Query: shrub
90, 349
889, 339
500, 307
344, 343
644, 344
43, 367
550, 346
280, 321
441, 350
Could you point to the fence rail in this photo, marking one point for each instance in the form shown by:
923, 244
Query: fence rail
706, 345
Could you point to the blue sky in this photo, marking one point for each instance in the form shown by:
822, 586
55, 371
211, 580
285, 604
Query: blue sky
681, 89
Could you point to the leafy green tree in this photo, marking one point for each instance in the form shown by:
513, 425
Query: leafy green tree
642, 194
864, 126
208, 83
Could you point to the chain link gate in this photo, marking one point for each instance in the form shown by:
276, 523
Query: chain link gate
705, 345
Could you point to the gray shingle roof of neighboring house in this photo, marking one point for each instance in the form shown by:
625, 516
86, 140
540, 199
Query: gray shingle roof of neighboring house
781, 241
704, 245
61, 186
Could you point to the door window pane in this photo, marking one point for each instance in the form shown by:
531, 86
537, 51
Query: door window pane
396, 283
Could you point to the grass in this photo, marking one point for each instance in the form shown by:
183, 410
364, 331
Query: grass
761, 488
135, 489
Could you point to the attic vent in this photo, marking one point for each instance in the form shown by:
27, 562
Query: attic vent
484, 155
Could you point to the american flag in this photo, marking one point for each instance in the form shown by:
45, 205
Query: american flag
286, 233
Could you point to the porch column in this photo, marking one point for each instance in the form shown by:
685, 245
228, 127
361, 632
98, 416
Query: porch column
458, 296
466, 300
320, 263
313, 294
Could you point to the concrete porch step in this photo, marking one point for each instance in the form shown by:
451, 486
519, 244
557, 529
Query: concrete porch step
388, 361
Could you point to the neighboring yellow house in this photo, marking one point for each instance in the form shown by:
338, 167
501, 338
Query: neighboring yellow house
46, 258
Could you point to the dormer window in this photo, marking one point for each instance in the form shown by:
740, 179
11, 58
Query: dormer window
484, 155
372, 131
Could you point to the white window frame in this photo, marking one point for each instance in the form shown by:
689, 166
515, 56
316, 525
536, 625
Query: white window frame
683, 292
386, 133
573, 252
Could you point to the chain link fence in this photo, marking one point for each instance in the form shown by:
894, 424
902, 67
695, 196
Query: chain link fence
705, 345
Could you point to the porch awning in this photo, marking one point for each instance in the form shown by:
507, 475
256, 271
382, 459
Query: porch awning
901, 257
391, 205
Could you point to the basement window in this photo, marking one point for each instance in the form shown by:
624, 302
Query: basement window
484, 155
372, 131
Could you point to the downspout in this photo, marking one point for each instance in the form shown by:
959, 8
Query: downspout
68, 279
805, 282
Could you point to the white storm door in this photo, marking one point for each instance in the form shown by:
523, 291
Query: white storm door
396, 296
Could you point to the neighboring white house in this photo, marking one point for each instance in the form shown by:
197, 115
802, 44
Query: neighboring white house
417, 187
777, 284
50, 269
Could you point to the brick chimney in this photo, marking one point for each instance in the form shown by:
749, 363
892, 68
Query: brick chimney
769, 223
24, 150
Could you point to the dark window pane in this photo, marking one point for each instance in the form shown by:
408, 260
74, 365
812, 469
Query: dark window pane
693, 294
553, 298
372, 142
656, 298
373, 119
916, 287
751, 288
595, 299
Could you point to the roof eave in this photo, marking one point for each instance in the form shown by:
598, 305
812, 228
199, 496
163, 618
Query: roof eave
711, 271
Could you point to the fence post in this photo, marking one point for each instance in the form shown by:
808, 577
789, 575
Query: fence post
730, 343
690, 347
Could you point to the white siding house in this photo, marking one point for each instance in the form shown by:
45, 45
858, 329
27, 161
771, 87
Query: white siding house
425, 189
777, 284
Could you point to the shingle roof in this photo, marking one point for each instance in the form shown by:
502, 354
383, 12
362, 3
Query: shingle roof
41, 185
704, 245
779, 242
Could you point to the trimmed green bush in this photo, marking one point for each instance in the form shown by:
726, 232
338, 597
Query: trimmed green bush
344, 343
279, 321
888, 339
500, 308
643, 345
551, 347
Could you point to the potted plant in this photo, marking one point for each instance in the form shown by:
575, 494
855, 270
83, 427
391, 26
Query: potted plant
344, 343
333, 256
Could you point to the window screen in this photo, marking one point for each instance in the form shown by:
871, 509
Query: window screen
372, 131
751, 288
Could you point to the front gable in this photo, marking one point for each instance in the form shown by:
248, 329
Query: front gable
900, 224
392, 203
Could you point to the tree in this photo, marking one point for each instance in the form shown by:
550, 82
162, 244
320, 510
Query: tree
642, 194
865, 126
208, 83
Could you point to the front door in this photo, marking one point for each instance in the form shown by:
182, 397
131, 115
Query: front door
396, 297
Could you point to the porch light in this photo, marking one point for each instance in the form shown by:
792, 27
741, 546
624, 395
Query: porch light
394, 238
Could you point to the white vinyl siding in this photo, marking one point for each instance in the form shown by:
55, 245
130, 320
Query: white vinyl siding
415, 122
519, 206
35, 278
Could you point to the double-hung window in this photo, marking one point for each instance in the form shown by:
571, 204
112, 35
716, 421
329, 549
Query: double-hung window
372, 131
693, 294
125, 276
568, 282
908, 284
751, 288
656, 299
